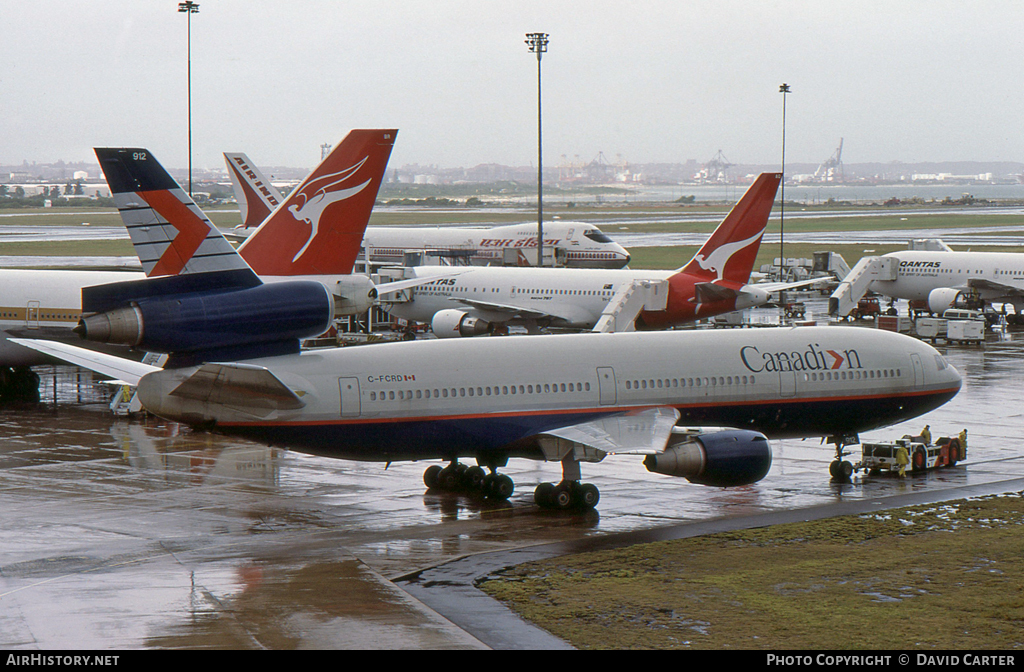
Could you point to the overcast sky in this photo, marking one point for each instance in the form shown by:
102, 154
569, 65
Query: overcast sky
650, 80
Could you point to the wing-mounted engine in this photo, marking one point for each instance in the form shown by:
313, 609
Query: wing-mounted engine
942, 299
199, 317
724, 458
452, 323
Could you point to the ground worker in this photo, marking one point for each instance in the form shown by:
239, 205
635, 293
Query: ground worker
926, 435
902, 460
963, 440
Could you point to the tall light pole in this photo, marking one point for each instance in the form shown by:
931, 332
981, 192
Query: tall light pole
188, 7
538, 43
784, 89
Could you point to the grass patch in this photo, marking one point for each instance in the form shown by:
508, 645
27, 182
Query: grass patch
941, 576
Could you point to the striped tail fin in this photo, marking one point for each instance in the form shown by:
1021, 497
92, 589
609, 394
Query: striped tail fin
170, 233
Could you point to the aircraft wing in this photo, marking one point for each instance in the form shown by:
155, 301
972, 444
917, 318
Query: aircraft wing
637, 433
509, 311
991, 286
123, 371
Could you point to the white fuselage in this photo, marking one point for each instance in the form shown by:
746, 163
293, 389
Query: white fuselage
584, 244
418, 399
42, 304
918, 272
574, 297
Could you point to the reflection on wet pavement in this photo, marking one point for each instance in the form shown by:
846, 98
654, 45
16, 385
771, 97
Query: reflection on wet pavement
135, 534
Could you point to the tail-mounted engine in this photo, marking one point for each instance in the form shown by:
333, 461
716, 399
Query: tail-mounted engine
725, 458
193, 314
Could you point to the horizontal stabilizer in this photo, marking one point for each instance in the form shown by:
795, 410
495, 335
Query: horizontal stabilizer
709, 292
124, 371
239, 386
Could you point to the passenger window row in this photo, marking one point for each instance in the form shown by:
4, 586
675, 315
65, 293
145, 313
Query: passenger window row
713, 381
853, 375
496, 390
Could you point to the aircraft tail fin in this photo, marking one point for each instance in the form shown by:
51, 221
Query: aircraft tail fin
730, 251
171, 234
319, 227
255, 195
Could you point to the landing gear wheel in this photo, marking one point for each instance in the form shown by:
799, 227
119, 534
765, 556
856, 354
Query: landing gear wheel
589, 495
499, 486
567, 495
430, 476
474, 478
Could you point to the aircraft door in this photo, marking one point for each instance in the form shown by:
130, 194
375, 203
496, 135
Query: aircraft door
350, 400
915, 362
606, 385
32, 315
787, 383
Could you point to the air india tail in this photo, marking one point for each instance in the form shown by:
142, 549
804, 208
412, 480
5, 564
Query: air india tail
728, 255
255, 195
319, 227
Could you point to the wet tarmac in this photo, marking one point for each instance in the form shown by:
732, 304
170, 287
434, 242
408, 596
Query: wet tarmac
118, 534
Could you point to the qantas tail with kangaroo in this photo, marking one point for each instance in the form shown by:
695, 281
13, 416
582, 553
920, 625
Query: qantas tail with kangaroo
319, 227
715, 280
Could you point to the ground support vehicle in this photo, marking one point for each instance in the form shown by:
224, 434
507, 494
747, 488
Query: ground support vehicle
879, 457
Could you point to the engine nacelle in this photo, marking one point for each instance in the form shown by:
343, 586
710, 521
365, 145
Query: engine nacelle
353, 295
452, 323
726, 458
942, 299
195, 321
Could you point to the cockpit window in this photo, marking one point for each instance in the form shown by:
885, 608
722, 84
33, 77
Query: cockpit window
597, 235
940, 363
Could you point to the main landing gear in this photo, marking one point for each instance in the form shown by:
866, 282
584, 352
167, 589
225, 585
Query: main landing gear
457, 477
570, 493
841, 470
567, 495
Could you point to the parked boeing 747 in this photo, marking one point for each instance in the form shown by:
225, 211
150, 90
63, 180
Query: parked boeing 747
567, 398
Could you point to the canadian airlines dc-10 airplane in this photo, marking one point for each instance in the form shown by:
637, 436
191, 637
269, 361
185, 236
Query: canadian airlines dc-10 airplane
477, 300
568, 398
584, 245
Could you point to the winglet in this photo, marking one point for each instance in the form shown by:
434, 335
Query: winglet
730, 251
319, 228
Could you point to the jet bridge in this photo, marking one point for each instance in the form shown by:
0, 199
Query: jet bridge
622, 310
855, 285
